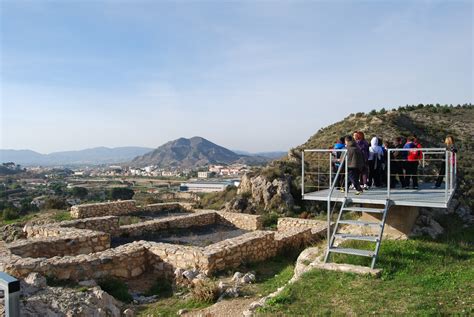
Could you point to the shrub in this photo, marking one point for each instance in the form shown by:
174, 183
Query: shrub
116, 288
54, 203
270, 219
161, 288
120, 193
80, 192
10, 214
205, 291
152, 200
62, 216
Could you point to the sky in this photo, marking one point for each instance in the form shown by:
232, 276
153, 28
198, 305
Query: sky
248, 75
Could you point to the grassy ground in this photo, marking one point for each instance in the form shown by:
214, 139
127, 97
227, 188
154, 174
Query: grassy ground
51, 214
420, 277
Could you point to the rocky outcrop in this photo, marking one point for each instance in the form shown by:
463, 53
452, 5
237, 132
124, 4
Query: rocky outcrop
268, 194
426, 223
11, 233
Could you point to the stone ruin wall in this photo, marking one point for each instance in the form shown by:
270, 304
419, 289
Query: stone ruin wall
176, 222
108, 224
318, 227
250, 247
115, 208
162, 207
133, 259
293, 239
68, 242
240, 220
125, 261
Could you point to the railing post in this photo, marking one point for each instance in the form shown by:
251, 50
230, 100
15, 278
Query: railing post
389, 173
11, 291
451, 169
446, 175
330, 169
302, 174
346, 169
455, 158
329, 223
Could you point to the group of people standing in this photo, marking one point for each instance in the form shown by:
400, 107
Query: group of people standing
367, 163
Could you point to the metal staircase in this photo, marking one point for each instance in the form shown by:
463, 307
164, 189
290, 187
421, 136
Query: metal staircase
348, 236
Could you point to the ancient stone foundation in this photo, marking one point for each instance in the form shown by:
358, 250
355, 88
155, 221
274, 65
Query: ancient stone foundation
103, 209
318, 227
80, 249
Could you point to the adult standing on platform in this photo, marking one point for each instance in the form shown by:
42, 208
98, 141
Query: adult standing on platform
363, 145
355, 163
413, 159
449, 142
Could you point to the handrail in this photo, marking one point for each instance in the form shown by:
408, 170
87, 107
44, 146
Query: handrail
449, 169
342, 159
449, 158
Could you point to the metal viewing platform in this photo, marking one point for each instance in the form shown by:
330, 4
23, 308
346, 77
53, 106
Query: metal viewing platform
424, 196
324, 177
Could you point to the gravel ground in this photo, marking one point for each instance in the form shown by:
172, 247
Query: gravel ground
196, 236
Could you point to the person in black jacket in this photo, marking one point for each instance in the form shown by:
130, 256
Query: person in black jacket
396, 164
355, 163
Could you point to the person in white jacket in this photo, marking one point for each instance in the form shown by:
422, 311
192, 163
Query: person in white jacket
375, 162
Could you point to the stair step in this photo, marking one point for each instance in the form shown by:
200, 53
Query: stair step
359, 252
360, 223
362, 209
346, 236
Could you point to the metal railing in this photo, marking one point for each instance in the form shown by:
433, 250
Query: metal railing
325, 173
448, 158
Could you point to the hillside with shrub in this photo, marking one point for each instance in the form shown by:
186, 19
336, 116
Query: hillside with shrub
430, 123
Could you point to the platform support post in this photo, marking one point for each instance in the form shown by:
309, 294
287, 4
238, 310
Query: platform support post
446, 177
388, 175
302, 173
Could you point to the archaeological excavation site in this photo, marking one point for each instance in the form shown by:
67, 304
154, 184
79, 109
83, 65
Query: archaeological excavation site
125, 241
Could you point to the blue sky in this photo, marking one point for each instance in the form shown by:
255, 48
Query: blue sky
254, 76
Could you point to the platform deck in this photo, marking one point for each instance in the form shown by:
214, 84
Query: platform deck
425, 196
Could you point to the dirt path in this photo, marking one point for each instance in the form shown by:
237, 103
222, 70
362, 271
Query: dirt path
225, 308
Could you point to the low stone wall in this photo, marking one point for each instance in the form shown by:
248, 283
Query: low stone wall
177, 222
85, 254
108, 224
160, 207
114, 208
240, 220
318, 227
69, 242
250, 247
178, 256
293, 239
126, 261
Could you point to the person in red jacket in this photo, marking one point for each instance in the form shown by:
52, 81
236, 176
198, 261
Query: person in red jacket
413, 158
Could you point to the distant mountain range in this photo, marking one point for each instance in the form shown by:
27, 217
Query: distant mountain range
194, 152
182, 152
93, 156
270, 155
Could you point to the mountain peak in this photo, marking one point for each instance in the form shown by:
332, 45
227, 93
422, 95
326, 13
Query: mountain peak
189, 153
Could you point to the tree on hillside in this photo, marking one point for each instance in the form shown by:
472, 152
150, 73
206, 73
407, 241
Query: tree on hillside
80, 192
54, 203
120, 193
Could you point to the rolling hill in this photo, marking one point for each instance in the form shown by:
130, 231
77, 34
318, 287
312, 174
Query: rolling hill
93, 156
193, 152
